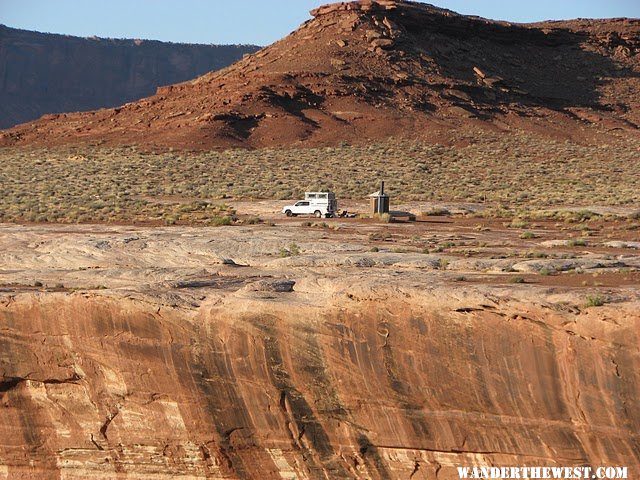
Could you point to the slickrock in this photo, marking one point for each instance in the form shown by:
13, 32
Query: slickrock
181, 367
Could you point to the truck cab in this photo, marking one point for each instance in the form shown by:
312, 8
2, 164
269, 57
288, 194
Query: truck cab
319, 204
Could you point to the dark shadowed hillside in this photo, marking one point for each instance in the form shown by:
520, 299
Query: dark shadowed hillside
45, 73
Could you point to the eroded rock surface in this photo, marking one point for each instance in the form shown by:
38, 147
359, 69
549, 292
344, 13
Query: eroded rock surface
154, 358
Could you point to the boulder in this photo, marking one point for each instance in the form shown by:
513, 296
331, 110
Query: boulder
382, 43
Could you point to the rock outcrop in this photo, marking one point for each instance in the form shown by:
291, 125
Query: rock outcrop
43, 73
259, 388
362, 71
356, 372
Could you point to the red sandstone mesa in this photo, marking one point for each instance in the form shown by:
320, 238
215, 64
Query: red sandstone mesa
43, 73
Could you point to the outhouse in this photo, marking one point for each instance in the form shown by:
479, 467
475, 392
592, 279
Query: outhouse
380, 201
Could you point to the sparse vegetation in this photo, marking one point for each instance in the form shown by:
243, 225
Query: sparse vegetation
85, 184
577, 242
595, 301
571, 216
292, 251
518, 223
221, 221
436, 212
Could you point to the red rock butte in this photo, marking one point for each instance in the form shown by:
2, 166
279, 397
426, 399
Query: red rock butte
370, 70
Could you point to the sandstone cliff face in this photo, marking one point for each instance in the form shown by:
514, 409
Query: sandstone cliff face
263, 389
45, 73
184, 365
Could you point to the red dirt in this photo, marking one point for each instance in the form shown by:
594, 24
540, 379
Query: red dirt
369, 70
565, 280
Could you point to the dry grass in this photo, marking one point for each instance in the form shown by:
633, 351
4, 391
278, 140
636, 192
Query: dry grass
512, 173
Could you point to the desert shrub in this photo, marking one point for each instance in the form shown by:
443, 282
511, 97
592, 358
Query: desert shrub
577, 242
292, 251
583, 215
518, 223
595, 301
221, 221
443, 264
436, 212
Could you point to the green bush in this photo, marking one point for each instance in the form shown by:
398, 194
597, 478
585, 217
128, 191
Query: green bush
292, 251
221, 221
595, 301
443, 263
518, 223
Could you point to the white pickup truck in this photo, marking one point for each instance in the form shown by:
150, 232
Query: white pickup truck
319, 204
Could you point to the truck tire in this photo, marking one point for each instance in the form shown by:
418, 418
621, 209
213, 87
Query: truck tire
289, 213
318, 214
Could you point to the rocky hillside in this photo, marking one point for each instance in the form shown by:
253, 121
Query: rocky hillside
44, 73
377, 68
